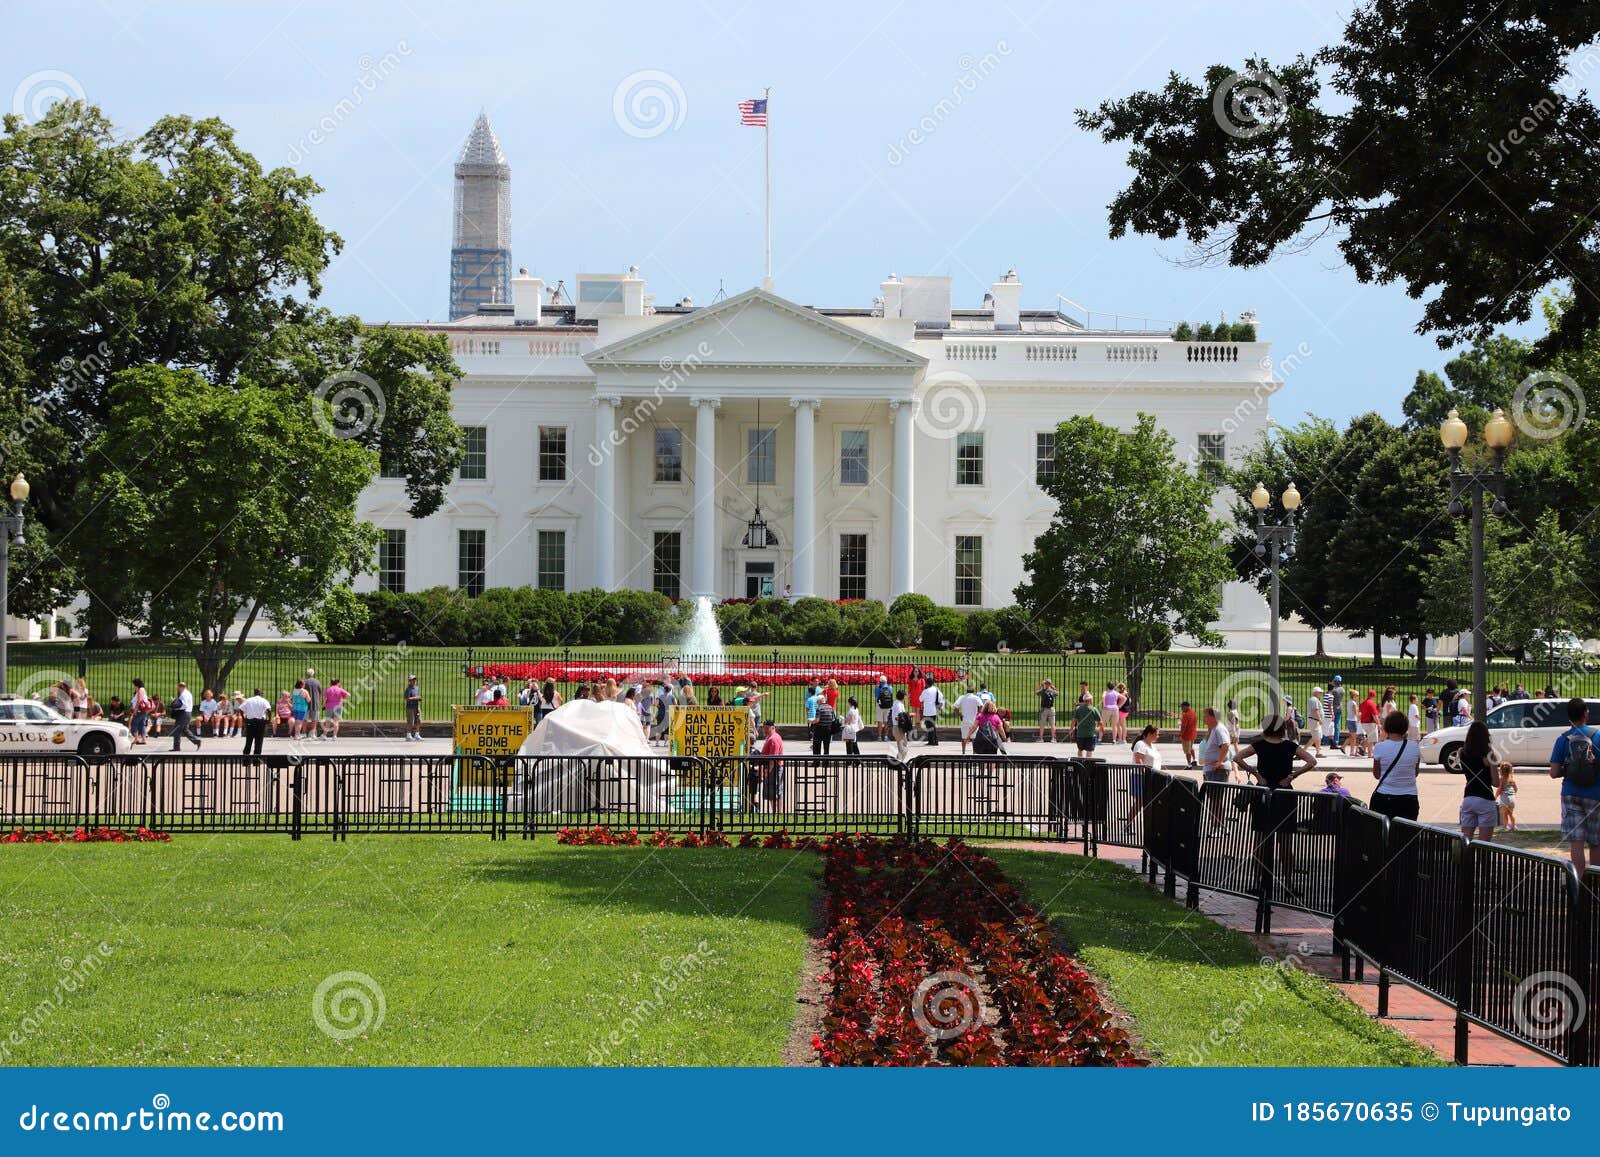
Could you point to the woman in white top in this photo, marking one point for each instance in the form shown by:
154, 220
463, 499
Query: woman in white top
1146, 758
850, 727
1394, 766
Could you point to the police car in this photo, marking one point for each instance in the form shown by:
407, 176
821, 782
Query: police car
26, 725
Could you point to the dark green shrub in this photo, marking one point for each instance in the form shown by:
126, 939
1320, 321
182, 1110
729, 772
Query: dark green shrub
943, 628
921, 606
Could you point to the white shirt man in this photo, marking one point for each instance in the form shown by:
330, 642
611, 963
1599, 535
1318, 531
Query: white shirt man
255, 707
968, 705
932, 702
184, 701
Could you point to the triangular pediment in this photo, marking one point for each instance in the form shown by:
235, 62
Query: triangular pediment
754, 329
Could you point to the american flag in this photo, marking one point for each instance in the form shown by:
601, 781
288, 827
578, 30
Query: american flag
753, 112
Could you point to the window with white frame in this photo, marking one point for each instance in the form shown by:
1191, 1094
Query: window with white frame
1044, 458
853, 467
475, 459
472, 561
969, 570
762, 457
552, 453
669, 454
969, 458
666, 563
1213, 456
553, 560
392, 560
852, 566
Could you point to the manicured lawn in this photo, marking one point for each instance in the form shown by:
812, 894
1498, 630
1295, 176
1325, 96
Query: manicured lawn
485, 953
1198, 992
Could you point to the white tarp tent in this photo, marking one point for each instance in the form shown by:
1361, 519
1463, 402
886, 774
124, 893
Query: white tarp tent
572, 776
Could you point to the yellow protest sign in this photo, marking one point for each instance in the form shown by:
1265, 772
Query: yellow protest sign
492, 731
712, 732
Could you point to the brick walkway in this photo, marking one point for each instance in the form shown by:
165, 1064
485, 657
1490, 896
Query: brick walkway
1310, 940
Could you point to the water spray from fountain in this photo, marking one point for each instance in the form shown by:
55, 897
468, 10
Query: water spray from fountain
702, 646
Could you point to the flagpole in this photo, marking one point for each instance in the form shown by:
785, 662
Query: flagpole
766, 282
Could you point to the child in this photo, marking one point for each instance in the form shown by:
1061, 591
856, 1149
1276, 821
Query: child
281, 714
1508, 800
158, 712
1188, 732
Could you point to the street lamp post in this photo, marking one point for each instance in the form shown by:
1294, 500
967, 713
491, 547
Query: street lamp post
1275, 540
1472, 484
10, 532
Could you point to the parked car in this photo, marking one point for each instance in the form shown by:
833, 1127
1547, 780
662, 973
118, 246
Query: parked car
28, 725
1522, 731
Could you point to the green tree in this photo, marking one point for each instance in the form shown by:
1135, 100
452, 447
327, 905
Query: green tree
175, 247
1450, 145
1302, 454
1480, 380
1133, 548
214, 523
1378, 557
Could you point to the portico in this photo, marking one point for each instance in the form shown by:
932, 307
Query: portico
789, 409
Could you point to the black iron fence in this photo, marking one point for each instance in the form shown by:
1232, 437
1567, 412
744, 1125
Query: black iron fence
1508, 939
376, 676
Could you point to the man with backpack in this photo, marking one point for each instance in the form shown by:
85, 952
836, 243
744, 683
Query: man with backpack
1573, 762
885, 704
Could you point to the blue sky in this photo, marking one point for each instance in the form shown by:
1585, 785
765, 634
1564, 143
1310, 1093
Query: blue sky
1003, 178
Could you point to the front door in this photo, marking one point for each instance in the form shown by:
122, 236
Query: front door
758, 579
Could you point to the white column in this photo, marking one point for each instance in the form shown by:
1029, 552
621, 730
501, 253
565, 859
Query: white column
902, 518
705, 496
805, 457
605, 491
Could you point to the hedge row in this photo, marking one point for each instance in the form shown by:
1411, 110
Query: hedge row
530, 617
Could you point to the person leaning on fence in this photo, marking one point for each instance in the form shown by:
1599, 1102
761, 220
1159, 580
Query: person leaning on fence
1484, 770
1573, 762
1394, 766
413, 701
824, 724
1274, 769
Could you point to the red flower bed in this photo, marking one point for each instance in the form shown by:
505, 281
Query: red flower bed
734, 673
935, 959
141, 835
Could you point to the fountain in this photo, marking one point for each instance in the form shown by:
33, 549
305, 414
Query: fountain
702, 646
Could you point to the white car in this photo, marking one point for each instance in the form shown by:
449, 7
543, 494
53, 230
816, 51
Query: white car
1522, 731
26, 725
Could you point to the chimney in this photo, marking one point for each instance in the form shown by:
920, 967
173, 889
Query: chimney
1007, 293
527, 296
892, 295
633, 293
